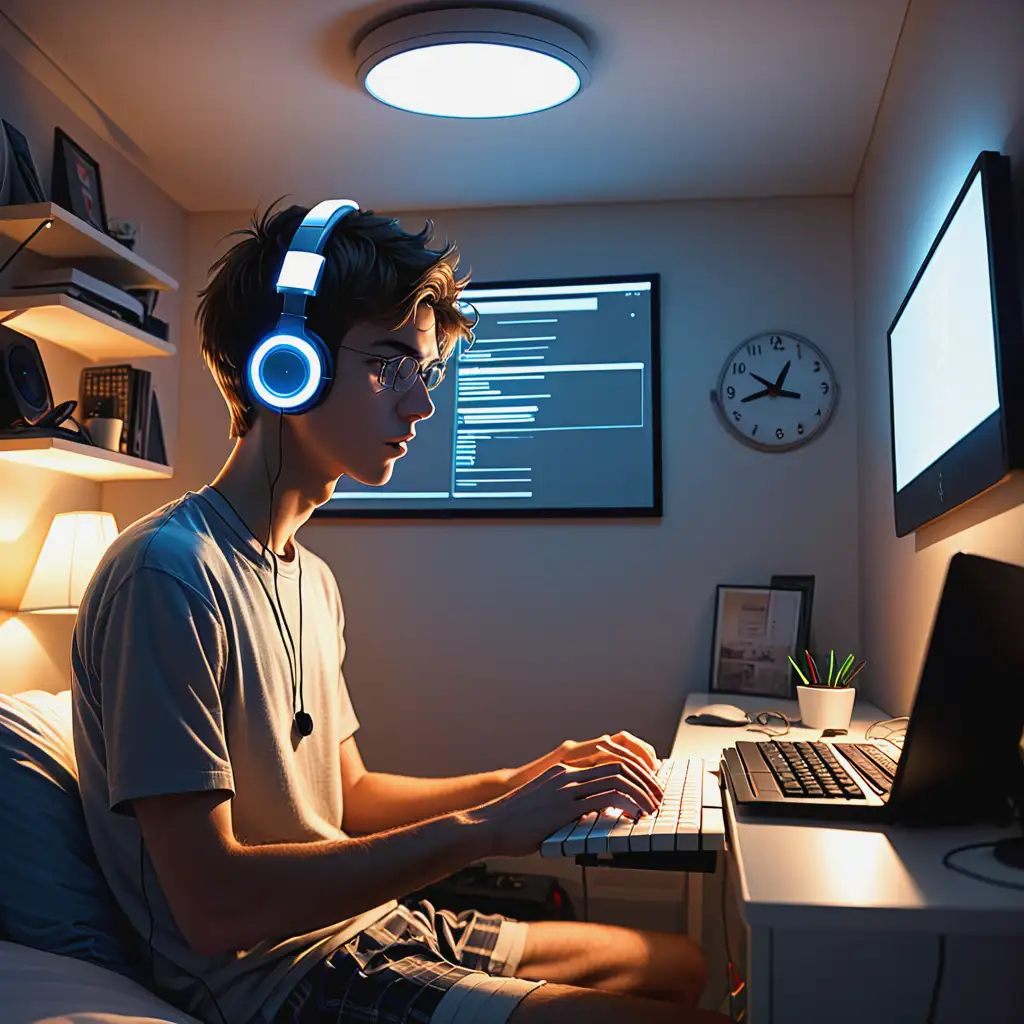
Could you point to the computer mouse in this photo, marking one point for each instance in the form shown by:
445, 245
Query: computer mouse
719, 714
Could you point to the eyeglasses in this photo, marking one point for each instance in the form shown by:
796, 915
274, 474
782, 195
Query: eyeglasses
766, 723
400, 372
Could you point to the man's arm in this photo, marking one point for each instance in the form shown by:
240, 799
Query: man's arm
375, 801
226, 896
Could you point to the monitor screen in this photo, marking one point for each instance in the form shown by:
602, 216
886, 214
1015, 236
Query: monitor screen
956, 358
944, 378
553, 410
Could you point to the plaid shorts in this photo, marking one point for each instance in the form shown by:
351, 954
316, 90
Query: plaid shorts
421, 966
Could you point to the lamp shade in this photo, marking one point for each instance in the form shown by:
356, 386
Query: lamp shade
72, 550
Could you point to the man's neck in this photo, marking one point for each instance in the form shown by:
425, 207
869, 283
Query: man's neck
245, 482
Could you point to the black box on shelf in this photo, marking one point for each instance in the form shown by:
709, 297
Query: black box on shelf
130, 391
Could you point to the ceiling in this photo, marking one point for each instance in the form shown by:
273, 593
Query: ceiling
227, 104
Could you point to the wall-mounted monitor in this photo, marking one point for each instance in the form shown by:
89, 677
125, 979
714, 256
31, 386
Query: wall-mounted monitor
553, 411
956, 357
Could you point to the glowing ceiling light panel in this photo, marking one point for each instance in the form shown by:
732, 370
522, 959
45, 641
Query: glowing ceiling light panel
473, 63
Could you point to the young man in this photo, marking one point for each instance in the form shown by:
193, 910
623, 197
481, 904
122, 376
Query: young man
256, 858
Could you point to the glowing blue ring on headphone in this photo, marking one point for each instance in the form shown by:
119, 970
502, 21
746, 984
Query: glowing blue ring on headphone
309, 356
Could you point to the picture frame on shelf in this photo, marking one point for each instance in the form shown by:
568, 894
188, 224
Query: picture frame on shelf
805, 584
756, 631
76, 183
23, 185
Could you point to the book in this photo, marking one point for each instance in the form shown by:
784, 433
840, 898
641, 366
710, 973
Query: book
108, 386
155, 450
138, 414
125, 391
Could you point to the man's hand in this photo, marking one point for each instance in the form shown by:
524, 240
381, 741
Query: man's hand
515, 825
623, 748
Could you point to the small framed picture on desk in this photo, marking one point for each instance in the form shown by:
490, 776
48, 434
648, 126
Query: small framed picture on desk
757, 630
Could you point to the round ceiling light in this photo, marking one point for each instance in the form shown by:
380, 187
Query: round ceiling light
473, 62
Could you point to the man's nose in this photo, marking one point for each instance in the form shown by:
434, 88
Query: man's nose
416, 402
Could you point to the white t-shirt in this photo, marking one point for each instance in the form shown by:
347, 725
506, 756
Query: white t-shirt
181, 683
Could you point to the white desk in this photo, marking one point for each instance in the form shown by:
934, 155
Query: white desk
842, 920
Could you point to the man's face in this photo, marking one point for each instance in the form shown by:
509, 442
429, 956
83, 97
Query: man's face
356, 430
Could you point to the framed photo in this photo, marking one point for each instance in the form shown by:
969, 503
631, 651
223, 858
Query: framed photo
805, 584
20, 168
75, 183
756, 631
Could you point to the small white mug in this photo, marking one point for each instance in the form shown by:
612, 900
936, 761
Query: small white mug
105, 432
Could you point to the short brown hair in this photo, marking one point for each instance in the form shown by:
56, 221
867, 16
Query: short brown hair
373, 271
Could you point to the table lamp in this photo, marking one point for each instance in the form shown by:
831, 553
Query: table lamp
72, 550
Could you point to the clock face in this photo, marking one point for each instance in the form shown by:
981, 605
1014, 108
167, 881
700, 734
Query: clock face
776, 391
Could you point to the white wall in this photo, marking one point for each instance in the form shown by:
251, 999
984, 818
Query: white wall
35, 649
956, 88
473, 644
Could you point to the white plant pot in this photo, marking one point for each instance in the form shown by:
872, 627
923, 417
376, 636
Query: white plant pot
826, 707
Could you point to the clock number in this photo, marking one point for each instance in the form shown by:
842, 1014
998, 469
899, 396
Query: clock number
730, 391
824, 387
780, 434
799, 354
817, 366
777, 345
753, 433
818, 413
739, 367
736, 416
753, 350
799, 428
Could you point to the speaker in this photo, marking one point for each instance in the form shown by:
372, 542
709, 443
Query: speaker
25, 396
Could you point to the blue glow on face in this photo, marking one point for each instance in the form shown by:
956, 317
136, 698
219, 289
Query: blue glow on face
472, 80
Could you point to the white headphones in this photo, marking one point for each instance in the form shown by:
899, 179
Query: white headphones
291, 370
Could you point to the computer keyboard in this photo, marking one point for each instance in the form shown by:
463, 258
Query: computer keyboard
675, 825
809, 769
877, 768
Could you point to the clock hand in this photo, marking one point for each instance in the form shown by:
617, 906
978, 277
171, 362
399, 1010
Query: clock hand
757, 394
788, 394
782, 376
767, 383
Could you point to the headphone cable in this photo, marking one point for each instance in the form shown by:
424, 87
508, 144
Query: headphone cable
276, 608
296, 661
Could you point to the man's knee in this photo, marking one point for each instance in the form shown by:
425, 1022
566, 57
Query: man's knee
693, 971
563, 1004
568, 1004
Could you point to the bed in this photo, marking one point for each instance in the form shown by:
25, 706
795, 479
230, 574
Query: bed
65, 955
48, 988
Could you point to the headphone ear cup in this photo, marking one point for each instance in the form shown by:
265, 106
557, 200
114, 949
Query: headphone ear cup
289, 371
327, 369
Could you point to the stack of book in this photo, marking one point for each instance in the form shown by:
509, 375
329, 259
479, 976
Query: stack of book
127, 394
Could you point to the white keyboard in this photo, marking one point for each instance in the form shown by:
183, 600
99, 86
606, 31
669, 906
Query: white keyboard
692, 801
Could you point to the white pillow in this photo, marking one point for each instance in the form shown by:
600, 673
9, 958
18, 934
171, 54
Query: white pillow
41, 988
53, 895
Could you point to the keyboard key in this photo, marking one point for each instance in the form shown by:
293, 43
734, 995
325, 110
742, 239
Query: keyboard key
597, 839
577, 841
552, 846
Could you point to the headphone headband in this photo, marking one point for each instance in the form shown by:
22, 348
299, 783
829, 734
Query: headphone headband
303, 263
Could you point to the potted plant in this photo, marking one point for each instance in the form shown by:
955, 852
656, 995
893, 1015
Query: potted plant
826, 702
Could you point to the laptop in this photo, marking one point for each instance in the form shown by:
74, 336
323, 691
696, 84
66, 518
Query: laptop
961, 758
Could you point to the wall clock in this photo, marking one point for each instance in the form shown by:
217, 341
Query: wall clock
776, 391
